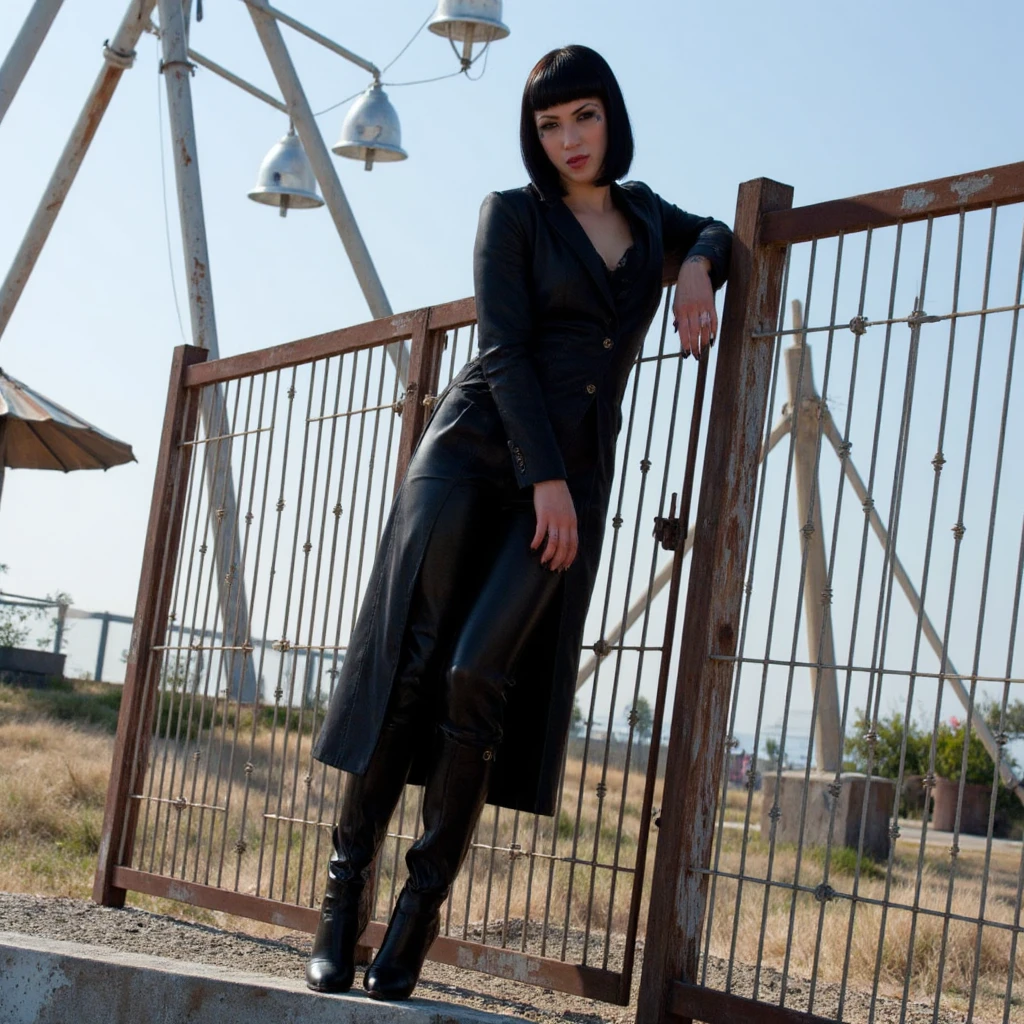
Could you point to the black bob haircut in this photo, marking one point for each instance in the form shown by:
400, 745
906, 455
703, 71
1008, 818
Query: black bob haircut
561, 76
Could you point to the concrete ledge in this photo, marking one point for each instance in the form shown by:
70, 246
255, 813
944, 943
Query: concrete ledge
43, 981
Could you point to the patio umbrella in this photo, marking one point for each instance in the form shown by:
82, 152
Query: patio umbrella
36, 433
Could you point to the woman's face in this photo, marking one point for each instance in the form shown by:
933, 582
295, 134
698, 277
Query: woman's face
575, 137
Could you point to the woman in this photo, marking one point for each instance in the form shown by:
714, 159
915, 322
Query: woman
468, 639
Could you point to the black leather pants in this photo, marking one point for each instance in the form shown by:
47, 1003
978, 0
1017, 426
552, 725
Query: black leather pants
479, 593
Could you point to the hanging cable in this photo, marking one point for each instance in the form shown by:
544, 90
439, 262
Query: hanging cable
340, 103
394, 60
163, 194
423, 81
390, 63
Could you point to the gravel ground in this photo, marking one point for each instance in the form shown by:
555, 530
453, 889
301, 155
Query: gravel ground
139, 931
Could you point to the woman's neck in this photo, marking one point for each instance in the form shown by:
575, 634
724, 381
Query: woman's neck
587, 199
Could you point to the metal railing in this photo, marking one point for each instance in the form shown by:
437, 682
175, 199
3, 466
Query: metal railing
215, 798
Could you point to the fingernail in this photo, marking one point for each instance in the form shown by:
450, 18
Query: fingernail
675, 326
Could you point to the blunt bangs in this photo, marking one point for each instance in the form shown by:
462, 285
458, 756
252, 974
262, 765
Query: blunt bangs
561, 76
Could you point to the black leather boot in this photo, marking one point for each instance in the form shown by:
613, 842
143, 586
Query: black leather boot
367, 805
452, 802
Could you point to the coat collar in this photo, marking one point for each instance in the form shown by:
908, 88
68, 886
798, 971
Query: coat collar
566, 224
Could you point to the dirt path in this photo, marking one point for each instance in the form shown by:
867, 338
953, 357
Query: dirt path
138, 931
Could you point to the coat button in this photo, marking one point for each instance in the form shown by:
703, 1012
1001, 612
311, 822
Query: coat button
591, 389
607, 342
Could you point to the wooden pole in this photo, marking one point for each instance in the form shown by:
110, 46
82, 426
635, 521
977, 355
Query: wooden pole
714, 595
806, 410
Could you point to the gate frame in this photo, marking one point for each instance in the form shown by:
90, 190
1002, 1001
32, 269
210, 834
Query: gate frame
425, 329
766, 225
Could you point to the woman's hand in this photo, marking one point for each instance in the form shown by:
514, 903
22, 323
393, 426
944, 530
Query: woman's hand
556, 520
694, 307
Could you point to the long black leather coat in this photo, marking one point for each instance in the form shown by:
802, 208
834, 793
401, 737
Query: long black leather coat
556, 347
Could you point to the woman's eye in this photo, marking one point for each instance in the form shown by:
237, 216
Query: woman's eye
548, 127
586, 114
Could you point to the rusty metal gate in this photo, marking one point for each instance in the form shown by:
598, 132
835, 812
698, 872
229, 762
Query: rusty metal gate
859, 528
842, 832
275, 476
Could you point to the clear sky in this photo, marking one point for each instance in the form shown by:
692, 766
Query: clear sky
833, 98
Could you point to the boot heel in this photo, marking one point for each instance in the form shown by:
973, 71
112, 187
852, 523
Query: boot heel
412, 929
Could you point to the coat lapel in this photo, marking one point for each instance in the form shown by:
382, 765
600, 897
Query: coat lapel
562, 220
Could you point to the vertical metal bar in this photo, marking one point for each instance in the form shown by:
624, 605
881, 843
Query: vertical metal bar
232, 640
279, 507
617, 522
245, 639
867, 504
241, 846
987, 564
101, 654
766, 447
338, 511
150, 615
24, 49
183, 570
882, 618
776, 594
654, 750
713, 603
843, 453
1010, 359
824, 692
118, 55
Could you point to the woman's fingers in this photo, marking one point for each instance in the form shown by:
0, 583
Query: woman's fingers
560, 550
697, 325
539, 534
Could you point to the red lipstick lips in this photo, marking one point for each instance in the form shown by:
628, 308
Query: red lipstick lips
576, 162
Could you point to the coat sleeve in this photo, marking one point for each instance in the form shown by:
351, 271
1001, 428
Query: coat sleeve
505, 327
685, 235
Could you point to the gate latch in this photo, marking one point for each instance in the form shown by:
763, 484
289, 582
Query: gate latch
668, 531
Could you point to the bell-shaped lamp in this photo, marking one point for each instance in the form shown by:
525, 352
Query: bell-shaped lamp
468, 22
370, 131
285, 178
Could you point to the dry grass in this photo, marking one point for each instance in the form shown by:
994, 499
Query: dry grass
233, 831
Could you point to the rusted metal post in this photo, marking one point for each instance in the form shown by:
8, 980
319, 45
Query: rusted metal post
152, 606
806, 411
119, 53
714, 595
24, 49
420, 389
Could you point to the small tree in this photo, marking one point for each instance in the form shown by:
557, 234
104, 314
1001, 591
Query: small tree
888, 745
13, 631
57, 623
576, 724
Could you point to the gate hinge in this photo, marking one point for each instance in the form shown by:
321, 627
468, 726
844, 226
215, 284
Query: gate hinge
668, 531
